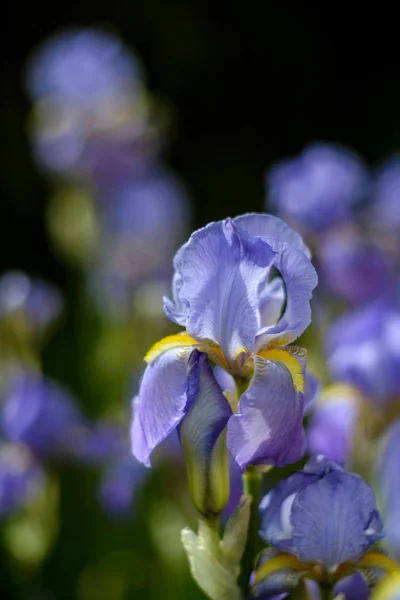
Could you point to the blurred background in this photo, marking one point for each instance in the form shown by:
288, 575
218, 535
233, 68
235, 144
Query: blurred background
115, 145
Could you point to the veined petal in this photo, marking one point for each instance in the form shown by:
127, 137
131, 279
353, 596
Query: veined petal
268, 226
335, 520
179, 340
300, 279
289, 360
203, 441
162, 401
354, 587
223, 271
268, 428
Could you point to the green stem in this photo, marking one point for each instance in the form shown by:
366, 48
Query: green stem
326, 591
252, 486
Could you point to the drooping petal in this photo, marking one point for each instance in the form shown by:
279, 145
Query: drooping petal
223, 271
300, 279
353, 587
201, 432
162, 401
268, 226
268, 428
335, 520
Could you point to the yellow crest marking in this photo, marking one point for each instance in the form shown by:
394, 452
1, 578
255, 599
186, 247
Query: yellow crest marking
278, 563
389, 585
289, 361
167, 343
375, 560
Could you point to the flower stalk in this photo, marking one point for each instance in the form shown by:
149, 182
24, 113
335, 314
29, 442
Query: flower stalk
251, 486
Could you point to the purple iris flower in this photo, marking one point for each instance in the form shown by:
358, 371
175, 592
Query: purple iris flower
21, 478
83, 66
39, 413
106, 445
242, 288
319, 188
143, 220
90, 105
354, 268
386, 195
331, 426
363, 350
321, 515
37, 301
388, 479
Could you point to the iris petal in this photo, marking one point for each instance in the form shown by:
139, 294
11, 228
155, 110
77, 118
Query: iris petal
161, 403
335, 520
300, 279
223, 271
203, 440
268, 428
268, 226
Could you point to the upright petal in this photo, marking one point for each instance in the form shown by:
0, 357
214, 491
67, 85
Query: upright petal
300, 279
223, 271
335, 520
162, 401
201, 432
268, 428
268, 226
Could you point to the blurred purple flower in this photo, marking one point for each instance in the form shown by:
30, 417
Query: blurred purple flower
363, 350
41, 414
106, 445
82, 66
331, 427
143, 221
388, 479
318, 188
91, 112
321, 514
119, 483
385, 209
354, 268
21, 478
37, 301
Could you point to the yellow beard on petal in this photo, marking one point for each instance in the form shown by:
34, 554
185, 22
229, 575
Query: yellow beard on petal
184, 340
289, 361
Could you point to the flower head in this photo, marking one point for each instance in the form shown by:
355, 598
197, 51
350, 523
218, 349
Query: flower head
319, 521
354, 268
319, 188
364, 350
242, 289
90, 104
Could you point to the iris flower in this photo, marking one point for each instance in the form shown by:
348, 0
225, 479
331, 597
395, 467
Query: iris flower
320, 522
242, 290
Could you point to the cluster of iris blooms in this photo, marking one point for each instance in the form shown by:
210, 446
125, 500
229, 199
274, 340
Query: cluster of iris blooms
231, 382
242, 291
115, 216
